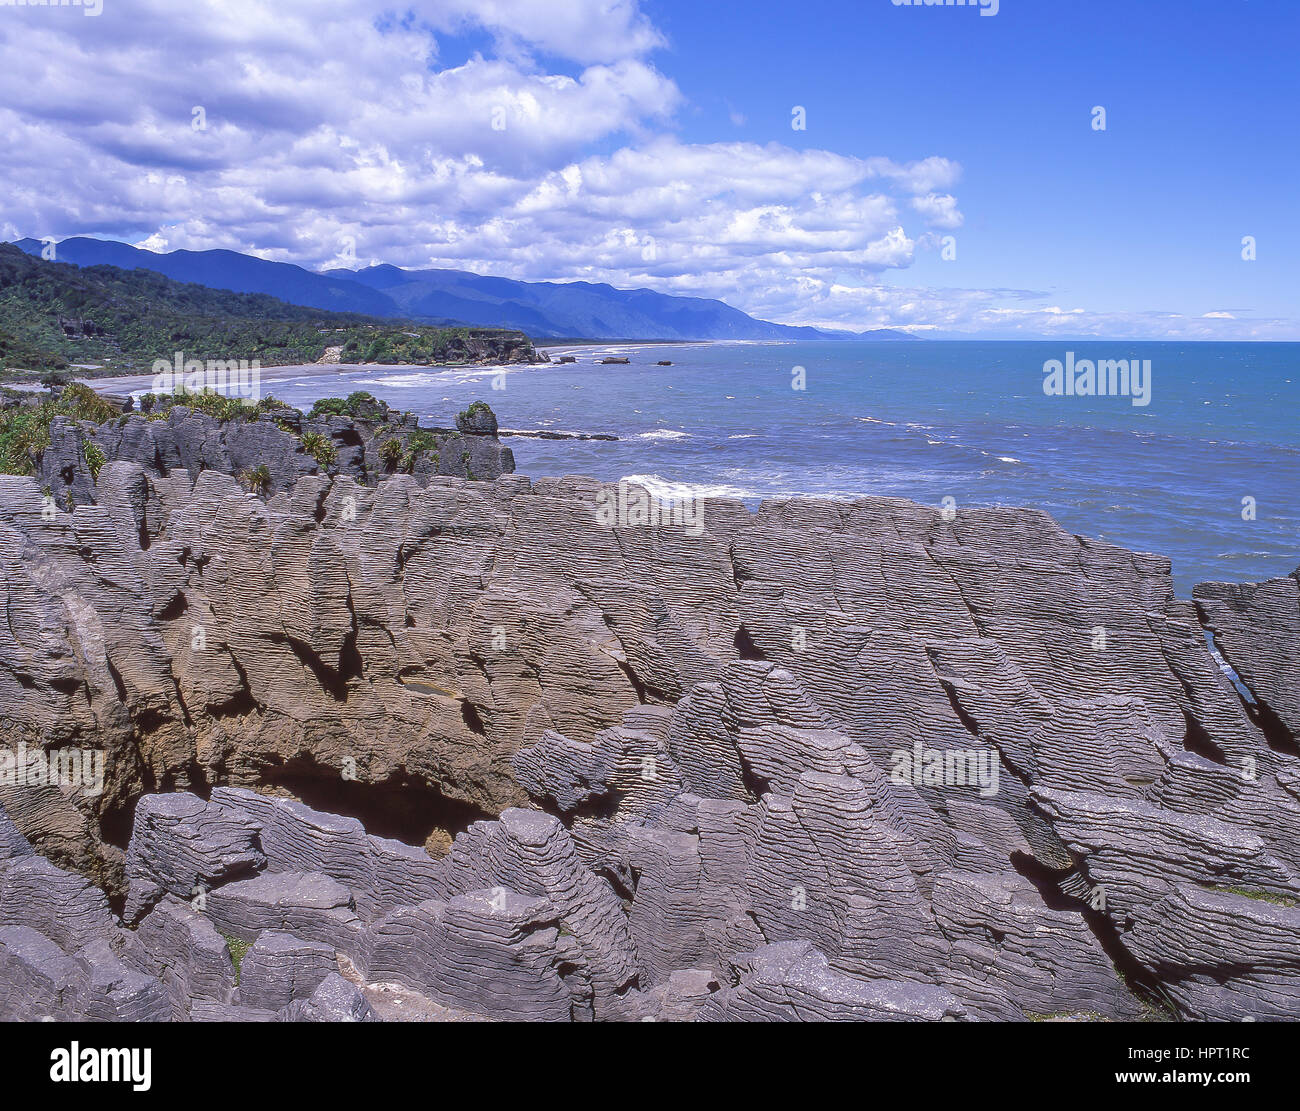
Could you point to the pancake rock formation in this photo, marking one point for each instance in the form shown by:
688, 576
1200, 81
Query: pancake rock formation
457, 749
269, 448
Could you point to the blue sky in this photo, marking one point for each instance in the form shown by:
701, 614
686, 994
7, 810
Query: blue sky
1202, 145
649, 143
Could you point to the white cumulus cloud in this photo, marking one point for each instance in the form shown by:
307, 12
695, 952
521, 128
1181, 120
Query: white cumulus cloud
527, 138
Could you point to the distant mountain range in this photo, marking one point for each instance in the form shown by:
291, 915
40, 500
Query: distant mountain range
545, 310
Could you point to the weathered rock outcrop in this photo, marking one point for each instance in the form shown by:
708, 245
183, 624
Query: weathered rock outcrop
822, 760
366, 447
1257, 628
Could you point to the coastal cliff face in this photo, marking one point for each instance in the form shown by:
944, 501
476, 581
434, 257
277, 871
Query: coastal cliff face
826, 759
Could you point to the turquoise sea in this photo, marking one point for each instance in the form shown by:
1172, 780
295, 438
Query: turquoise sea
923, 420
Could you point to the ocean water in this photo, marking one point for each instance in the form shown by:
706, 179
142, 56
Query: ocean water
921, 420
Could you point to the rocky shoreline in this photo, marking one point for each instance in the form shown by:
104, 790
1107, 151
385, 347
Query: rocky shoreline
268, 448
822, 760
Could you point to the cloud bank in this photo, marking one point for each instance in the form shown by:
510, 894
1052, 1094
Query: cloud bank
524, 138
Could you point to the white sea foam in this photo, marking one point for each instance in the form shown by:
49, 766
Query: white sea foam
415, 379
401, 381
663, 434
586, 351
667, 490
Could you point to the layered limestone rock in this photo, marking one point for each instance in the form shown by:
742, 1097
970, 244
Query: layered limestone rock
1257, 628
792, 981
486, 743
270, 449
63, 955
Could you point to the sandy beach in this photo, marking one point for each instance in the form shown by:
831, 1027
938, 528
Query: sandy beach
130, 383
121, 385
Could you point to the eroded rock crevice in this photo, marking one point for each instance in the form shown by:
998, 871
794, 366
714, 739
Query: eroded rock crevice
822, 760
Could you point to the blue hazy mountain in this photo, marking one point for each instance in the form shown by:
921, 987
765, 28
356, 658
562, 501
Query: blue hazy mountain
226, 270
582, 310
548, 310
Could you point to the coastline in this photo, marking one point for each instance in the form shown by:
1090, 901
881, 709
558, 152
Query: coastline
598, 349
875, 420
130, 383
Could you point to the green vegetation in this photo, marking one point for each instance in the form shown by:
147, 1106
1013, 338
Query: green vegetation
422, 440
208, 401
237, 951
320, 448
24, 436
1259, 896
258, 480
476, 407
18, 352
54, 314
95, 458
349, 406
25, 429
390, 453
418, 443
409, 344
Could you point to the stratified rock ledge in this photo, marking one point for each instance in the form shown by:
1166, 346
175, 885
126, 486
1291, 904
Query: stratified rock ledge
469, 746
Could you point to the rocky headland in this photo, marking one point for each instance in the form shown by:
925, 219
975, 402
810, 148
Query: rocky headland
365, 731
267, 447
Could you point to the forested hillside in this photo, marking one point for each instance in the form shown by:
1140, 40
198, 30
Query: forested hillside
54, 315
